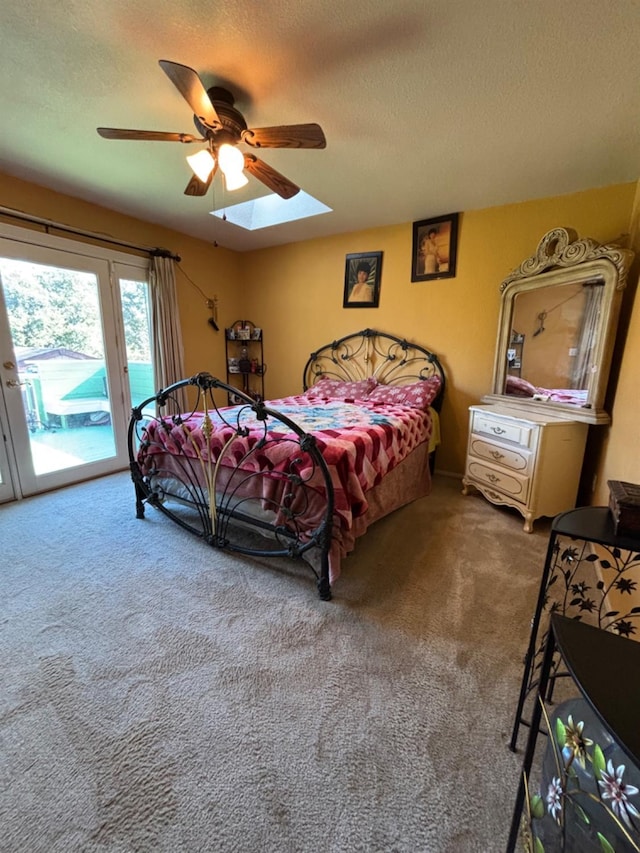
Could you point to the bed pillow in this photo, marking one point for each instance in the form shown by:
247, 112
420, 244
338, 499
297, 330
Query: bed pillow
518, 387
336, 389
418, 395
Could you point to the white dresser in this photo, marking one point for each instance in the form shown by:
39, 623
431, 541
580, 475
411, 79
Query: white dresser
528, 461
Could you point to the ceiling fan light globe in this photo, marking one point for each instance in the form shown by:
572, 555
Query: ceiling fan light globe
235, 181
202, 164
231, 162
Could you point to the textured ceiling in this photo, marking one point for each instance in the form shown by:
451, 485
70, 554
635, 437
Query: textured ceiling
428, 108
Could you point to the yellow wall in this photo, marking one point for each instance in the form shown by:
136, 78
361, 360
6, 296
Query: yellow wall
617, 455
214, 270
295, 293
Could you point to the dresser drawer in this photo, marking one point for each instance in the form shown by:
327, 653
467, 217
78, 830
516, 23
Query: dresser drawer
503, 429
511, 484
500, 454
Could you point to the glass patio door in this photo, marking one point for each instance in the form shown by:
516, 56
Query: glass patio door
63, 367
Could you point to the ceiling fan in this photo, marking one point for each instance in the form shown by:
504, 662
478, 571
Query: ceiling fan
222, 128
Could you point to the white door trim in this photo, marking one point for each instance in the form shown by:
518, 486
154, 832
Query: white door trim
18, 478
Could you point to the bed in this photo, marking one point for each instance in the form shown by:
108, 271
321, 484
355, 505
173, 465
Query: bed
301, 476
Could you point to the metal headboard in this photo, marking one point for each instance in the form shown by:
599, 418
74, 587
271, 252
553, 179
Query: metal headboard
392, 360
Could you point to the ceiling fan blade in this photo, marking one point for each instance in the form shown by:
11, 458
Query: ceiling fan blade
147, 135
190, 87
197, 187
285, 136
268, 175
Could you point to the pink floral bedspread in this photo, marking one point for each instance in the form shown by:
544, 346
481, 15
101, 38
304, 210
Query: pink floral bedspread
578, 397
360, 442
517, 386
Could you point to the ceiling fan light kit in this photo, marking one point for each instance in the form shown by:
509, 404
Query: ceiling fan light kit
202, 163
231, 164
222, 128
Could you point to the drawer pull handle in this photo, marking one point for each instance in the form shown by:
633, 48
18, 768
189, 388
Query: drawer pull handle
497, 455
498, 430
492, 478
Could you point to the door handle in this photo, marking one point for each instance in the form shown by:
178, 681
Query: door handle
13, 383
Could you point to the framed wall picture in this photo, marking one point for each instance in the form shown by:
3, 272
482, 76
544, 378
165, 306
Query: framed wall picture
435, 246
362, 280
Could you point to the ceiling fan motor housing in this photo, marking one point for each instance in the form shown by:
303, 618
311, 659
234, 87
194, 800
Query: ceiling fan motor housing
233, 122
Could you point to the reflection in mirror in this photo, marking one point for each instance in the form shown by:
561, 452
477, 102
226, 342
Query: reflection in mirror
557, 325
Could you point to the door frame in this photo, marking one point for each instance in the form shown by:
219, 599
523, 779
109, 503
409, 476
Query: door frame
9, 487
104, 264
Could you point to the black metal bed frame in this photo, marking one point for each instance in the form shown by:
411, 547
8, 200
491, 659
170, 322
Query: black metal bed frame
388, 358
218, 502
226, 500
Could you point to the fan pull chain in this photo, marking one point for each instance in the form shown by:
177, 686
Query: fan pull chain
213, 207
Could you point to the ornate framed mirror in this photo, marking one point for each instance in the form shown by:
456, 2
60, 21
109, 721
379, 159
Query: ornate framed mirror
558, 319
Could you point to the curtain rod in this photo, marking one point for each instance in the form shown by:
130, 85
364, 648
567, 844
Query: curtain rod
58, 226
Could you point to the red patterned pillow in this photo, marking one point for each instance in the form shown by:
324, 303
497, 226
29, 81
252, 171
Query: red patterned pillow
519, 387
418, 395
335, 389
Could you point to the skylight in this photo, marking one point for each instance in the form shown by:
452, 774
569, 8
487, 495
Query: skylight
271, 210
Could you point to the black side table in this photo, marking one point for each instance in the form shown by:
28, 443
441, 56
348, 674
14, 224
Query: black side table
593, 797
580, 581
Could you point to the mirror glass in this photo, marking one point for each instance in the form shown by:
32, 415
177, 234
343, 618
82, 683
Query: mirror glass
557, 325
553, 337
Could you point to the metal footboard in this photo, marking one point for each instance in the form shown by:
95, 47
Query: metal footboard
244, 478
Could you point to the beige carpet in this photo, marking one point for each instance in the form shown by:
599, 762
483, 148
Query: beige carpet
158, 695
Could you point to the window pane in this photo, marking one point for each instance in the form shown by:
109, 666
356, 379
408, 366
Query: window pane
136, 315
56, 328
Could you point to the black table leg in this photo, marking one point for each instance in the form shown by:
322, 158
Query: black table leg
536, 716
533, 640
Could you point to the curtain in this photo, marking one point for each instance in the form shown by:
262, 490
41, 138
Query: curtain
587, 336
168, 353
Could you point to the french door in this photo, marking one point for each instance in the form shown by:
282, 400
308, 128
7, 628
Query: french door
74, 326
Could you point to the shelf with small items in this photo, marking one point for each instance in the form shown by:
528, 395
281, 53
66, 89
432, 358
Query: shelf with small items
245, 360
514, 353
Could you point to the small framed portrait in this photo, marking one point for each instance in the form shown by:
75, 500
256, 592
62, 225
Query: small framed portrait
362, 280
435, 247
